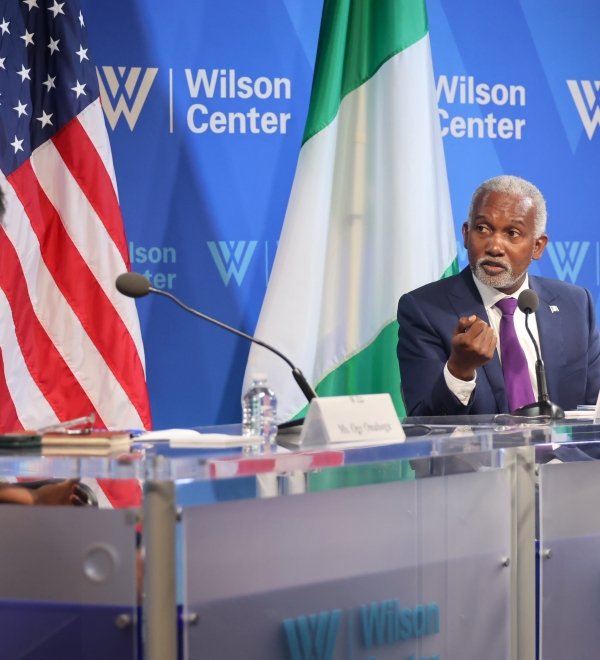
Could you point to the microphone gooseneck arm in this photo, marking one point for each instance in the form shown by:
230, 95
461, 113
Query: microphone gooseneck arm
136, 285
540, 371
210, 319
299, 377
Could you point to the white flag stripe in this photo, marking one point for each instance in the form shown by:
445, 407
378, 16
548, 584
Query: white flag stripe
31, 405
92, 121
304, 227
63, 326
100, 254
388, 224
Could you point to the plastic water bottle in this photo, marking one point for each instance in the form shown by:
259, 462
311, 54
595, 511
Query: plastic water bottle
259, 413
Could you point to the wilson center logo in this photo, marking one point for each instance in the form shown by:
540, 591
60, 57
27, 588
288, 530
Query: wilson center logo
586, 95
123, 91
567, 257
380, 624
312, 637
232, 258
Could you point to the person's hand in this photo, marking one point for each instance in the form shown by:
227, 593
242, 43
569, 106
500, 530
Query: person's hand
60, 493
13, 494
473, 344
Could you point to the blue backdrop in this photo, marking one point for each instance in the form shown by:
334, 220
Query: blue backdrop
206, 104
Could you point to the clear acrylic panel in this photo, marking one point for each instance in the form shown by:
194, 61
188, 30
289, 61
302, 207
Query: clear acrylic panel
379, 561
67, 583
569, 549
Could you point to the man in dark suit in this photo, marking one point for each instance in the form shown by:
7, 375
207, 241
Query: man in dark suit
448, 350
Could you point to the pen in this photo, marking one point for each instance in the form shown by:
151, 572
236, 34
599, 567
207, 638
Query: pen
88, 420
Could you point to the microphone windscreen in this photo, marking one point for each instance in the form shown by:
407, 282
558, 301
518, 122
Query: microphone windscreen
528, 301
133, 285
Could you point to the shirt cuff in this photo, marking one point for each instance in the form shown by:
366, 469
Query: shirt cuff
462, 389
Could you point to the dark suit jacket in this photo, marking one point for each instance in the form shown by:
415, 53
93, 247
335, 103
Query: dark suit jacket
569, 341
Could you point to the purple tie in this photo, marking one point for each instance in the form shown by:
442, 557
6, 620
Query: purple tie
514, 364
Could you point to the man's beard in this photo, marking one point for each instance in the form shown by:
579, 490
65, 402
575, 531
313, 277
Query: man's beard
503, 280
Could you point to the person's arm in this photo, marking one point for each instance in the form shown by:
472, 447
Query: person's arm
65, 492
10, 494
425, 346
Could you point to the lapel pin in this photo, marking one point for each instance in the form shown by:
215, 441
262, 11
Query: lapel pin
554, 309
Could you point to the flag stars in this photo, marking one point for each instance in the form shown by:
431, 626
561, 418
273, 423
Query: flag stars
49, 82
4, 26
24, 73
31, 4
82, 52
21, 108
81, 19
57, 8
79, 89
45, 119
2, 60
53, 45
17, 145
28, 38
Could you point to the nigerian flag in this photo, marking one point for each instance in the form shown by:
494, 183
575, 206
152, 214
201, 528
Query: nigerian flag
369, 214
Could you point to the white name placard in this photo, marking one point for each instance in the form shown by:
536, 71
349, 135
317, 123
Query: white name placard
368, 419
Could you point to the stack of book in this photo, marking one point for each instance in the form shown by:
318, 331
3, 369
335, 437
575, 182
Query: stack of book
84, 442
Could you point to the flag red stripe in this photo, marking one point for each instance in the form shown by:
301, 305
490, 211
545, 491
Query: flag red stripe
122, 493
81, 290
81, 157
45, 364
9, 420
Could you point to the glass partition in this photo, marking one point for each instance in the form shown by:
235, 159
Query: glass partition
67, 583
396, 551
569, 525
422, 549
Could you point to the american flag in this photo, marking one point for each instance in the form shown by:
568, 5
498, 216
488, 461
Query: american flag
70, 345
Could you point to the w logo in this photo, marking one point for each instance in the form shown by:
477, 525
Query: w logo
232, 258
312, 637
567, 258
124, 91
586, 94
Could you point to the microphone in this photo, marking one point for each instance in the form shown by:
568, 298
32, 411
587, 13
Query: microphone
135, 285
528, 303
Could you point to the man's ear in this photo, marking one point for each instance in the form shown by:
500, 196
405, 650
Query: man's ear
539, 246
465, 233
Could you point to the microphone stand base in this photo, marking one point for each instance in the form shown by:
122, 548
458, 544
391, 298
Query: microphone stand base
540, 409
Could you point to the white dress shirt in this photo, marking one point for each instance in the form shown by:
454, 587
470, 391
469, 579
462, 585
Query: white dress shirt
462, 389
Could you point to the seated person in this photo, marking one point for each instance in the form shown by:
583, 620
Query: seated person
451, 361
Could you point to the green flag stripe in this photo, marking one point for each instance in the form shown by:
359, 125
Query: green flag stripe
349, 476
375, 368
452, 269
372, 370
348, 54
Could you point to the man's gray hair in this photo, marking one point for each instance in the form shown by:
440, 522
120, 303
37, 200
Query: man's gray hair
514, 185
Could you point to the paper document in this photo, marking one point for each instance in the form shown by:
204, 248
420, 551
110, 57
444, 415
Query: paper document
193, 438
580, 413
